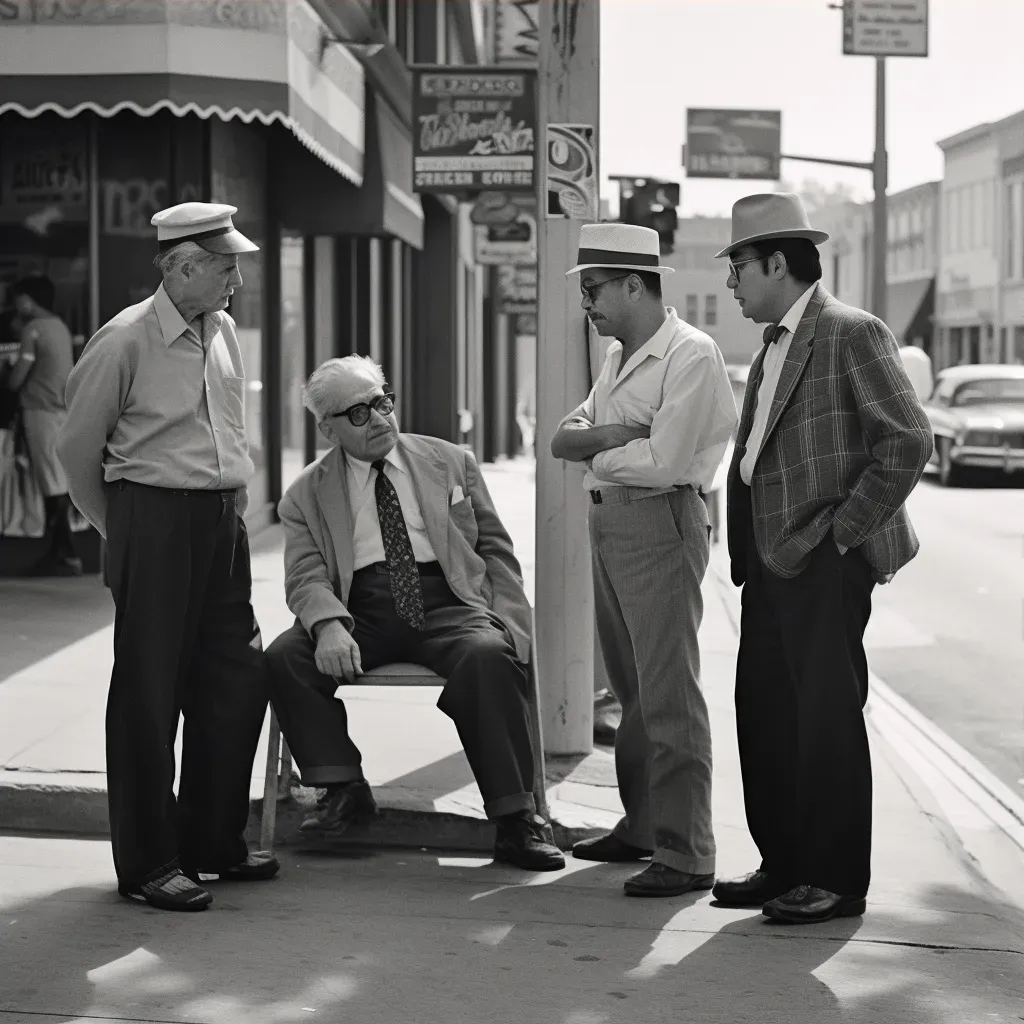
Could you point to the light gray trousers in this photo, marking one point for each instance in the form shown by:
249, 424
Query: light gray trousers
650, 554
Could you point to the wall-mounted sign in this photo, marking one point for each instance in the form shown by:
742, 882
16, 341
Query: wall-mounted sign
506, 232
885, 28
733, 143
570, 174
517, 289
516, 31
474, 130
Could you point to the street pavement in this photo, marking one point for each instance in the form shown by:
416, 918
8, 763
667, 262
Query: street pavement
427, 936
948, 633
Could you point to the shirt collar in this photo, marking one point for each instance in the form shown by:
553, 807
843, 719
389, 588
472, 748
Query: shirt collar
172, 323
360, 470
791, 321
657, 344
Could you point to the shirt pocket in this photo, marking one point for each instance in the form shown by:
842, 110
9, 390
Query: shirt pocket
635, 406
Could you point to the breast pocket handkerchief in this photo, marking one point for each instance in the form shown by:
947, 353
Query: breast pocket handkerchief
457, 495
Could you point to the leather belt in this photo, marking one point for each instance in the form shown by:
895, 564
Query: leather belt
620, 495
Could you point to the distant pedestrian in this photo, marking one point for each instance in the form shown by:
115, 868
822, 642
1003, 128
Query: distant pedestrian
157, 458
652, 432
39, 375
832, 440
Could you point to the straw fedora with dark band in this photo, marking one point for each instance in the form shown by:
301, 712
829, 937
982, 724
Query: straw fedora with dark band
209, 225
768, 215
619, 247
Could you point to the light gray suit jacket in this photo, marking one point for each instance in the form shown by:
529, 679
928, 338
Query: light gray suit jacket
469, 540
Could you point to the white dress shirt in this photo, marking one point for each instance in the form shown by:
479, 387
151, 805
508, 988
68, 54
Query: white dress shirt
677, 385
367, 543
771, 368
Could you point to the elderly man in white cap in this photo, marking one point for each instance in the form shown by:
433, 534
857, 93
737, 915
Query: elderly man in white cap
157, 459
832, 440
652, 432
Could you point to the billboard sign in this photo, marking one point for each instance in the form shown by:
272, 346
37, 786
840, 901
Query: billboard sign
474, 130
885, 28
733, 143
508, 233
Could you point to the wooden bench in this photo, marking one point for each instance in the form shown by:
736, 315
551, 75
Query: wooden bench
279, 759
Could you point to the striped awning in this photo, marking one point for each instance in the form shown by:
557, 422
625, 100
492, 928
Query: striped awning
267, 61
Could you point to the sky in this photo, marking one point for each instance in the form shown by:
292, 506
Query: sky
659, 57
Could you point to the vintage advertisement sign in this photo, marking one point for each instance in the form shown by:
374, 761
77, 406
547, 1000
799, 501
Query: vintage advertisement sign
505, 232
885, 28
516, 31
571, 187
733, 143
517, 289
474, 129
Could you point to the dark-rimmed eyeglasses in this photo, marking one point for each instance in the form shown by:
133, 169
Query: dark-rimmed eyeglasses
733, 272
589, 291
359, 414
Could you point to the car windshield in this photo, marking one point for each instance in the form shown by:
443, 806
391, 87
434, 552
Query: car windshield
998, 390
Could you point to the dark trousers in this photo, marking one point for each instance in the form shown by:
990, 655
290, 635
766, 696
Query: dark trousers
484, 695
58, 527
801, 686
185, 641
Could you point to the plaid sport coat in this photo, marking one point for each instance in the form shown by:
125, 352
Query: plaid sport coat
846, 442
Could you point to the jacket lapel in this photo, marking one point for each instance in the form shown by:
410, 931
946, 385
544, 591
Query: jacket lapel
332, 498
796, 361
430, 482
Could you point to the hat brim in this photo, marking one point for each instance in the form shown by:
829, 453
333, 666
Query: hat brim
817, 237
619, 266
227, 245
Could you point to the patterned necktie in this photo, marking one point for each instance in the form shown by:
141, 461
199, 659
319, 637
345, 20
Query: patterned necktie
405, 577
772, 333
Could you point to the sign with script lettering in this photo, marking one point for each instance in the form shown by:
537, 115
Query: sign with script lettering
885, 28
733, 143
474, 130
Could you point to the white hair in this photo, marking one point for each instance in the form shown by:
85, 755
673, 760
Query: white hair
172, 260
320, 390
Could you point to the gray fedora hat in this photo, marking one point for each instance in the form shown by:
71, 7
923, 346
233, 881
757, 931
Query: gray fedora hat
770, 215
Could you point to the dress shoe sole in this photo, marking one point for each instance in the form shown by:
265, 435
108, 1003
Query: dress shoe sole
846, 908
623, 858
136, 896
747, 902
674, 890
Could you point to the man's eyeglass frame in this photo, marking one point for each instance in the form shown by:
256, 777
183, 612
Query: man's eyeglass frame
361, 410
589, 291
733, 272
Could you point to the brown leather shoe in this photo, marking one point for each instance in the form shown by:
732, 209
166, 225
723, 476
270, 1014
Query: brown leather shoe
609, 849
660, 880
753, 890
807, 905
341, 807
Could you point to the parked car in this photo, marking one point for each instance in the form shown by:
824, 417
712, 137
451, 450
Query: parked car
977, 418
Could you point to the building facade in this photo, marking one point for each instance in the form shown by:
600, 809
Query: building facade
108, 113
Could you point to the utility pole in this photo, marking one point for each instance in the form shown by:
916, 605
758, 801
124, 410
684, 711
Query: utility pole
880, 216
568, 85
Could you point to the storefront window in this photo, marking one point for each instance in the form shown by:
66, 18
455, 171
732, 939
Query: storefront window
293, 358
238, 177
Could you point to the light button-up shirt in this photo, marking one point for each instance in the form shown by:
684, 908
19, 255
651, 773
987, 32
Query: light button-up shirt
676, 384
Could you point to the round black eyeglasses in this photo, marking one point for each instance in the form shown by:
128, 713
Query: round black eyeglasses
359, 414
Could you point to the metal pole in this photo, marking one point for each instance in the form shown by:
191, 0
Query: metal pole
881, 217
568, 86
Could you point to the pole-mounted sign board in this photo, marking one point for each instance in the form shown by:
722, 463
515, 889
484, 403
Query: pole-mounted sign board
733, 143
885, 28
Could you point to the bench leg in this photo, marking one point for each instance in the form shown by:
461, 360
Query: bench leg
540, 791
271, 783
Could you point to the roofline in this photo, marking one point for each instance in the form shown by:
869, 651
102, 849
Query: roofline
979, 131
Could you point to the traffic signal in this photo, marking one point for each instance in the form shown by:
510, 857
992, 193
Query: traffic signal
652, 204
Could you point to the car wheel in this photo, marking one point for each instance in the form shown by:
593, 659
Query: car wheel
950, 474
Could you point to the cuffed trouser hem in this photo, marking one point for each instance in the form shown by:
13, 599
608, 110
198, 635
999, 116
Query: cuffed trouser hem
329, 774
681, 862
640, 842
510, 805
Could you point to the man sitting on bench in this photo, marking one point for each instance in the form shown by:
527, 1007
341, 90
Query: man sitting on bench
394, 552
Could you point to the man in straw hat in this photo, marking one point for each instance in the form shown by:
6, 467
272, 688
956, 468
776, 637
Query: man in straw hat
652, 433
832, 440
157, 459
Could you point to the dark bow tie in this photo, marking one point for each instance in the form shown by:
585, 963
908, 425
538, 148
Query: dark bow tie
772, 333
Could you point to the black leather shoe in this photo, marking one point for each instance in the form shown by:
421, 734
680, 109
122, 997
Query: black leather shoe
341, 807
753, 890
660, 880
257, 867
609, 849
526, 841
607, 718
807, 905
172, 891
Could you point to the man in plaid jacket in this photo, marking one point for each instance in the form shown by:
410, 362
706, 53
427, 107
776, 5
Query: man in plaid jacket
832, 439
